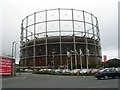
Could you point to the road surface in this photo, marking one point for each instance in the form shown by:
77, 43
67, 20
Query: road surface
29, 80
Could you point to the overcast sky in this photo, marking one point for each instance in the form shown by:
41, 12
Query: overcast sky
13, 11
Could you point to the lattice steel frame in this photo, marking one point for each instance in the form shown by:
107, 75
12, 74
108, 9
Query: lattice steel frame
73, 17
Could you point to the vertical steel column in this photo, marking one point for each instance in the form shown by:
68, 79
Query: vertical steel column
86, 42
26, 41
60, 38
21, 42
21, 34
98, 35
81, 59
74, 39
94, 37
15, 51
46, 40
12, 58
34, 62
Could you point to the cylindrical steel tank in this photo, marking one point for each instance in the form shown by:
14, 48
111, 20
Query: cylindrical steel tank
57, 36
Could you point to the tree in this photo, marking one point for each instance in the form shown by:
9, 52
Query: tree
112, 63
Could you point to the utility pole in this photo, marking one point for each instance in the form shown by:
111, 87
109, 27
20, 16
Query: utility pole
13, 62
19, 68
12, 59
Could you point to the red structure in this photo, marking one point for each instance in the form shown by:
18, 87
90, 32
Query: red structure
5, 65
105, 58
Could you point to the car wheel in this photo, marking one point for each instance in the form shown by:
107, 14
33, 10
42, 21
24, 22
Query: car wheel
118, 76
98, 78
113, 77
105, 77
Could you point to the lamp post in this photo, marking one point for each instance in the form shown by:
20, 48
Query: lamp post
12, 48
19, 68
12, 58
15, 60
15, 51
13, 63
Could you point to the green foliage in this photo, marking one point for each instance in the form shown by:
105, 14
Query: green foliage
92, 66
39, 72
55, 67
112, 63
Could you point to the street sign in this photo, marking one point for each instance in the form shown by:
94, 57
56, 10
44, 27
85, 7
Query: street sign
5, 66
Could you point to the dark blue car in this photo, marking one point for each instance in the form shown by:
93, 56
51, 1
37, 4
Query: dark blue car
107, 73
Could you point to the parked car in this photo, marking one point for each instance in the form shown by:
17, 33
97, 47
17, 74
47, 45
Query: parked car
93, 71
66, 70
107, 73
49, 69
85, 71
58, 70
117, 69
76, 70
42, 69
28, 70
